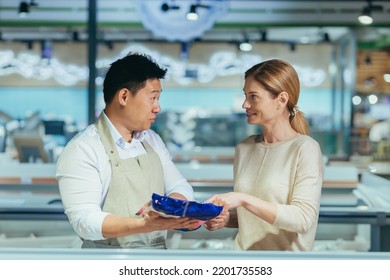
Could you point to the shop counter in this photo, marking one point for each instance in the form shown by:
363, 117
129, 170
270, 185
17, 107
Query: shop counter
344, 201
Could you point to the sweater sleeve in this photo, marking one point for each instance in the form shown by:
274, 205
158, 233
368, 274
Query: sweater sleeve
301, 213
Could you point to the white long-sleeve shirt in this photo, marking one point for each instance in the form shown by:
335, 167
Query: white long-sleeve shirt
84, 175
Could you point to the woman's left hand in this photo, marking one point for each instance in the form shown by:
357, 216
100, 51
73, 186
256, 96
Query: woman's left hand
218, 222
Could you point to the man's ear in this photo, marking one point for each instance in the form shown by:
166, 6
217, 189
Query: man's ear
283, 98
123, 96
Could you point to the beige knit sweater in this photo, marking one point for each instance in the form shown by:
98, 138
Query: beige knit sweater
289, 174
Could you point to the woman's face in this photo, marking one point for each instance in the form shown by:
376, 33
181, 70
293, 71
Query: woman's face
260, 106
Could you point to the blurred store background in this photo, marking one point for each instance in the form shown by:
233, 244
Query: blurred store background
54, 54
45, 59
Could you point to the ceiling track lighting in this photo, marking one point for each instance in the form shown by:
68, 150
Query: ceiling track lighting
24, 7
366, 16
192, 13
165, 7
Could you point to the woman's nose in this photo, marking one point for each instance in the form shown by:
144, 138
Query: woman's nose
245, 105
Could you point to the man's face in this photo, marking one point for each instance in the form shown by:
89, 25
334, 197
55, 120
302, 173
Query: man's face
142, 108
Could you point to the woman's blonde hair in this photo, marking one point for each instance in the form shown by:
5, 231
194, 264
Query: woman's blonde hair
276, 76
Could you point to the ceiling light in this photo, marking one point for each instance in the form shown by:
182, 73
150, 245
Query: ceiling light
366, 17
372, 99
245, 46
24, 9
387, 78
192, 14
356, 100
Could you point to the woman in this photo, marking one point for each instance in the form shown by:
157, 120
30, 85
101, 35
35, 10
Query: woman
278, 174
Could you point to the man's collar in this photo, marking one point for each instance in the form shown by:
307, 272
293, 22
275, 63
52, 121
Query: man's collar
117, 137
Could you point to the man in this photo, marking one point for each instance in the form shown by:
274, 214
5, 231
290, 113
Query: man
107, 172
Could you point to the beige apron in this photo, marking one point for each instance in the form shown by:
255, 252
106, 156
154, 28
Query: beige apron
132, 183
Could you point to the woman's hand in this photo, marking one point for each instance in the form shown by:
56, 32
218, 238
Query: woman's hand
218, 222
227, 200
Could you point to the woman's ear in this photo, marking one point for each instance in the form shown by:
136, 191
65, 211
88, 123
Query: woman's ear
283, 98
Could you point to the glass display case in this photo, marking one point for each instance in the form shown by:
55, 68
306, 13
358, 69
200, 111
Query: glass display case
354, 215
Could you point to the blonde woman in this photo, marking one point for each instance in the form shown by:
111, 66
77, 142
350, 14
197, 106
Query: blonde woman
278, 174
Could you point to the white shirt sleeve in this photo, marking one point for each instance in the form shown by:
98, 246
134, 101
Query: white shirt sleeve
82, 180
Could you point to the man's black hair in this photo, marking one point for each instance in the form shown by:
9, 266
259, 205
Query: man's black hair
130, 72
